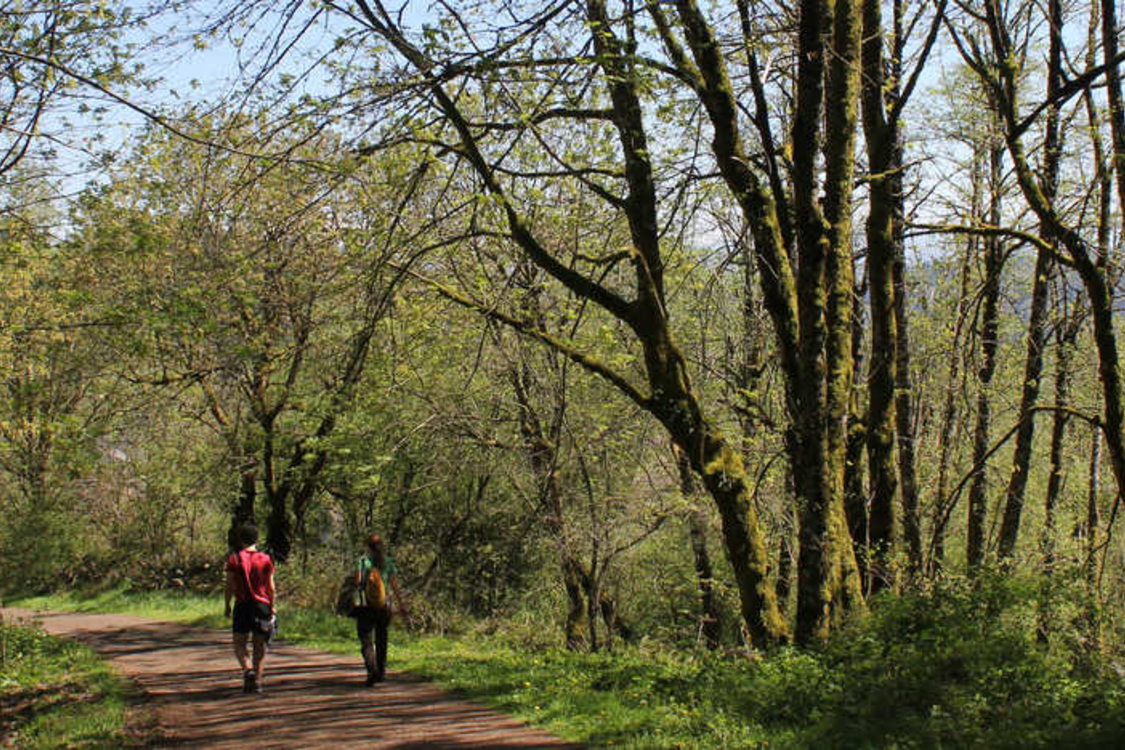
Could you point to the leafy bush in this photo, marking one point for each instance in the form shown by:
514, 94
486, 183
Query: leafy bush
963, 664
57, 693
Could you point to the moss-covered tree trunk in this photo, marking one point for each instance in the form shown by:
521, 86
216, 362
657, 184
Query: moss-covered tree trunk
701, 557
989, 343
828, 578
1037, 319
881, 254
904, 401
810, 310
841, 131
672, 399
1110, 38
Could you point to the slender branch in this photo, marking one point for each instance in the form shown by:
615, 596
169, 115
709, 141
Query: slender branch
530, 330
955, 494
1071, 88
120, 99
984, 230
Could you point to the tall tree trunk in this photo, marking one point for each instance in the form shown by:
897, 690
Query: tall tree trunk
709, 615
829, 581
1033, 371
540, 451
673, 401
855, 490
978, 491
904, 400
1037, 321
1064, 347
705, 576
881, 253
704, 572
954, 386
1093, 514
1116, 113
810, 309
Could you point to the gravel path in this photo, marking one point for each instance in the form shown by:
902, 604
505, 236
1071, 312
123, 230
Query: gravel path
310, 698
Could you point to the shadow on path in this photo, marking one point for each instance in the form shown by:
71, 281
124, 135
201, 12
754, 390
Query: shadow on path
309, 699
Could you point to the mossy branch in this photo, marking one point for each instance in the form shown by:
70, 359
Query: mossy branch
529, 329
985, 230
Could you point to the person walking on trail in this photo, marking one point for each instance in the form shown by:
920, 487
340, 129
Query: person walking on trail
373, 616
250, 583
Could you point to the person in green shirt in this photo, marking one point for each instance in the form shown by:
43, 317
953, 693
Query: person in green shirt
371, 620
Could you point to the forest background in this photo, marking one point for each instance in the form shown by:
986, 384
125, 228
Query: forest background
721, 327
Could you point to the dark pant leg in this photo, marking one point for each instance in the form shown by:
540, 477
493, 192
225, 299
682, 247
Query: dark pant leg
365, 627
382, 620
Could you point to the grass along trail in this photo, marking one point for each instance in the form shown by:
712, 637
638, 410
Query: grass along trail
190, 681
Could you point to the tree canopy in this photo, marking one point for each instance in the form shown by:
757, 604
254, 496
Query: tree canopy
663, 316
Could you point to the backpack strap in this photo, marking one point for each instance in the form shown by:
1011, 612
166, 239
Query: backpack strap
245, 577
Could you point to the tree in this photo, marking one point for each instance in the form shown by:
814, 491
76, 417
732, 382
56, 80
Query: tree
671, 398
57, 57
265, 301
598, 85
56, 395
1037, 324
1000, 61
885, 92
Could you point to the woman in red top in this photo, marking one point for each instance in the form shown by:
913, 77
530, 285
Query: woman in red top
250, 582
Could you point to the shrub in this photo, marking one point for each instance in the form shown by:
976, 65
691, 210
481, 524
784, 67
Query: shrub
963, 664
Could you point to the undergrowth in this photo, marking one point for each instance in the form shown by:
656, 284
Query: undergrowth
59, 694
956, 665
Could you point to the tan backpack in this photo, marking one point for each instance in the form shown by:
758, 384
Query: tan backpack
374, 591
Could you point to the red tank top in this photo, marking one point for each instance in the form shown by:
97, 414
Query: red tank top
258, 567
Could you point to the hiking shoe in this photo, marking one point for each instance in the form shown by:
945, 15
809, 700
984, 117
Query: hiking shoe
250, 682
371, 680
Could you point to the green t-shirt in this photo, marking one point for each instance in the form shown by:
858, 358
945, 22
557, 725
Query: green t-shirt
365, 564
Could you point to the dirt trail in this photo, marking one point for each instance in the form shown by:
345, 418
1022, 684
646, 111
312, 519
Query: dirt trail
310, 699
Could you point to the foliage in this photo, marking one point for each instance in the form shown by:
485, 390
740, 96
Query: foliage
58, 694
55, 54
953, 666
55, 401
965, 664
346, 312
956, 665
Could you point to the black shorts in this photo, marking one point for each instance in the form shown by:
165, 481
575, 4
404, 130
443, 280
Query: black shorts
242, 620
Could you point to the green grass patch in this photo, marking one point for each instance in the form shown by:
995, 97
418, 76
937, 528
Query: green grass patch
56, 693
954, 666
176, 605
